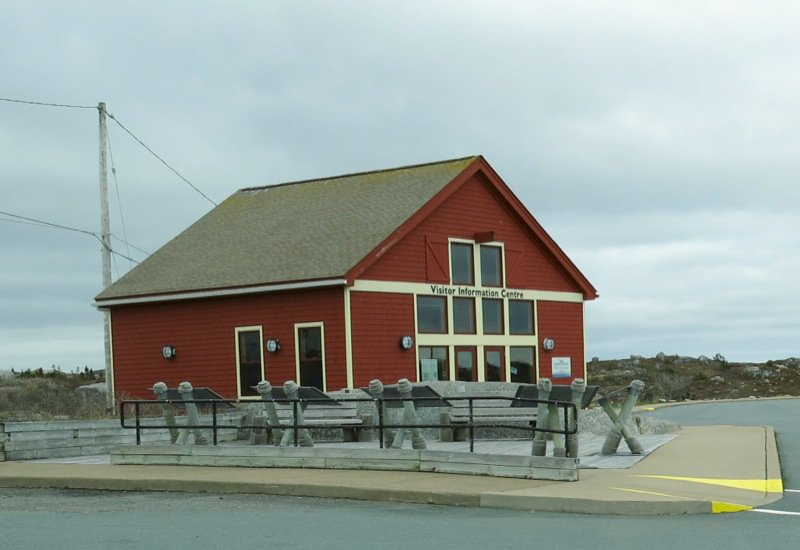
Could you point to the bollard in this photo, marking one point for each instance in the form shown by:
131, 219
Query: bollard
186, 389
555, 423
409, 417
578, 387
291, 389
376, 390
160, 391
540, 438
620, 430
264, 388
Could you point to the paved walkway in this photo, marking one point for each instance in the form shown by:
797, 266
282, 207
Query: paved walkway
702, 470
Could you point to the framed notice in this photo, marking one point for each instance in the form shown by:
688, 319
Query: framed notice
429, 368
562, 367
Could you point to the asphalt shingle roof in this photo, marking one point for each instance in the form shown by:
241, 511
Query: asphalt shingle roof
309, 230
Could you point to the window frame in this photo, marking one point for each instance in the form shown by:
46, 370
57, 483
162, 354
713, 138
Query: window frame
297, 328
501, 319
472, 315
470, 247
473, 351
444, 317
531, 318
533, 368
441, 368
248, 393
499, 264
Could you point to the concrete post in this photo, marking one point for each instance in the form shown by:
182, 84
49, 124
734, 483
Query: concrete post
555, 423
578, 389
620, 429
540, 438
264, 388
159, 389
409, 417
376, 390
291, 388
186, 390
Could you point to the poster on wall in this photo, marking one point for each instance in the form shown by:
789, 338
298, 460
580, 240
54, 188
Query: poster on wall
562, 367
430, 369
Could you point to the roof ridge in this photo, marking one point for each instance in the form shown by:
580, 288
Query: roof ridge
353, 174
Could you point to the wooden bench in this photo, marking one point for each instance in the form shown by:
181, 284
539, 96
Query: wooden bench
338, 414
503, 412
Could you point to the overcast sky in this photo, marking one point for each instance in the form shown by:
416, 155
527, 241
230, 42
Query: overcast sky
657, 142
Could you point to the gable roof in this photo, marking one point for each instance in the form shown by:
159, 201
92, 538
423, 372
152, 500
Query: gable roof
301, 231
310, 233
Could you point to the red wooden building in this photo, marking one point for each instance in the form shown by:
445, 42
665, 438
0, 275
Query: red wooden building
435, 271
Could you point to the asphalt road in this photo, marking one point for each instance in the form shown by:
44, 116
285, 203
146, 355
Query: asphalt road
89, 519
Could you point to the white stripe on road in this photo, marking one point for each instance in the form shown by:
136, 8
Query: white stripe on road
776, 512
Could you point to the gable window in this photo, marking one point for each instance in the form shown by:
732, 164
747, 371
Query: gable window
464, 315
461, 264
520, 316
491, 265
432, 314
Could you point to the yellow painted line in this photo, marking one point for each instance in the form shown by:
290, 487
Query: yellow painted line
758, 485
726, 507
717, 507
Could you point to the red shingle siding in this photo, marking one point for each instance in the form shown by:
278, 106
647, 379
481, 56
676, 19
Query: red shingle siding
379, 320
475, 207
563, 322
203, 333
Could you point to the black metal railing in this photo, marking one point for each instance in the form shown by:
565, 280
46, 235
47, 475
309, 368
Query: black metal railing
569, 416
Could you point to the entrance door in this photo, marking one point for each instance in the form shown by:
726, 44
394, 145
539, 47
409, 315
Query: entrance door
311, 356
494, 364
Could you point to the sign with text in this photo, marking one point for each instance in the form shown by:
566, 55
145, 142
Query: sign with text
562, 367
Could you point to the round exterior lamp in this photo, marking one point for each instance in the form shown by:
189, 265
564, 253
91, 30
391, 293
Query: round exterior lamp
406, 342
273, 345
548, 344
168, 352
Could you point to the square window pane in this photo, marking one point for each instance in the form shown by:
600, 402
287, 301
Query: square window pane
492, 316
491, 266
520, 317
463, 315
461, 264
431, 314
433, 361
523, 368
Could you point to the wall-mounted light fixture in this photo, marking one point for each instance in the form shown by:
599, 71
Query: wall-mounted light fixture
168, 352
273, 345
548, 344
406, 342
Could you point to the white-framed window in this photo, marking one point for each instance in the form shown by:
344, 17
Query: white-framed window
249, 360
310, 354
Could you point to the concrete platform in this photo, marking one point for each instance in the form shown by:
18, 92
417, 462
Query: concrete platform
703, 470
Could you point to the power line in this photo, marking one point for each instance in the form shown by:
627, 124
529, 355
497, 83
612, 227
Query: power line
41, 223
112, 117
119, 201
40, 103
190, 184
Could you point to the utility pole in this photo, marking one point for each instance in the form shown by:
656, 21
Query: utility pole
105, 250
